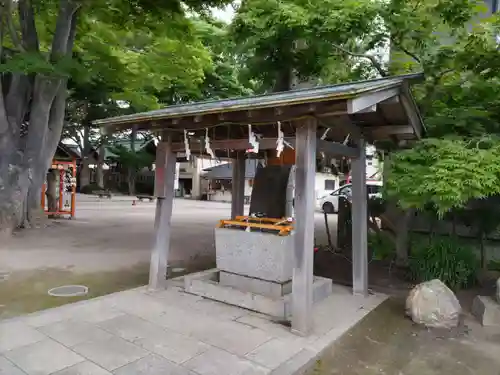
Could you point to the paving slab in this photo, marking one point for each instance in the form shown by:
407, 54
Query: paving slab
233, 337
275, 352
137, 303
183, 320
71, 332
83, 368
43, 358
130, 327
299, 363
219, 362
112, 353
51, 316
221, 310
173, 346
257, 320
170, 332
8, 368
95, 311
152, 364
15, 335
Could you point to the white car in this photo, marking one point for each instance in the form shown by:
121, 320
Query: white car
330, 203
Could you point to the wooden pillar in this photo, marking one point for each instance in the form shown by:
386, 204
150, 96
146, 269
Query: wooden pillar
305, 171
164, 192
196, 179
238, 186
359, 224
290, 194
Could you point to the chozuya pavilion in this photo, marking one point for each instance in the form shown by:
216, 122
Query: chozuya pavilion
265, 260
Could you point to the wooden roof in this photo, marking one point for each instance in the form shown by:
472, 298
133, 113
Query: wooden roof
379, 109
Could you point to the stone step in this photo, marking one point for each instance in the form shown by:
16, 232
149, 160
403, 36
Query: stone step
487, 311
206, 284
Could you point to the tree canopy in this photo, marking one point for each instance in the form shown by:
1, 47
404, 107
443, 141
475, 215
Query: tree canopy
108, 51
460, 103
453, 42
68, 62
333, 40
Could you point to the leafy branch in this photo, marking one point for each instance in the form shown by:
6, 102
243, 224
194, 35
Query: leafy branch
375, 63
406, 51
8, 10
132, 160
445, 173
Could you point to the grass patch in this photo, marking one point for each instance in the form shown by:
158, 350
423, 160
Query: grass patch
26, 291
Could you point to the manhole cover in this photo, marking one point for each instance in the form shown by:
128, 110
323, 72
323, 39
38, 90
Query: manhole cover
69, 291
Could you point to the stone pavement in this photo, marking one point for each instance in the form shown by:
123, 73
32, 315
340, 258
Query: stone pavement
169, 332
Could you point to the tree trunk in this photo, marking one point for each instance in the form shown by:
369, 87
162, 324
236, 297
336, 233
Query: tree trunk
51, 192
403, 228
284, 80
10, 169
24, 159
31, 165
34, 215
100, 167
131, 172
9, 206
56, 111
131, 181
85, 171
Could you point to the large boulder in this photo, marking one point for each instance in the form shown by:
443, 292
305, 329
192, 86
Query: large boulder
434, 305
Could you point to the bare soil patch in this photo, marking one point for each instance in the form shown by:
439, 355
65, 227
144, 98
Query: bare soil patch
388, 343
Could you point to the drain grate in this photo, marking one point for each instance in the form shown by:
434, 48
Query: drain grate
69, 291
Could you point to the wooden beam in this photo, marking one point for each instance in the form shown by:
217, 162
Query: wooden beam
410, 108
233, 144
164, 191
336, 149
329, 148
302, 281
386, 131
359, 224
370, 109
238, 186
346, 124
364, 101
268, 115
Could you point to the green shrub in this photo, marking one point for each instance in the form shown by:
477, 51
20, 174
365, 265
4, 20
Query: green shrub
381, 245
89, 189
449, 261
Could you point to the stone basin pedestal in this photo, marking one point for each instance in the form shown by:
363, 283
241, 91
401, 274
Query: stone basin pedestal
254, 271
